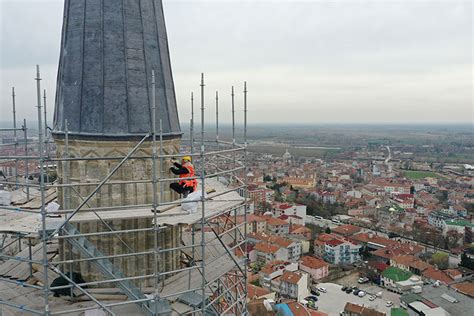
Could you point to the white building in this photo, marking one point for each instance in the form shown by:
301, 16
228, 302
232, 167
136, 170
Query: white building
338, 251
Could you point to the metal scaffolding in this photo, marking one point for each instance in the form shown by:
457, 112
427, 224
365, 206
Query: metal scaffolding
209, 280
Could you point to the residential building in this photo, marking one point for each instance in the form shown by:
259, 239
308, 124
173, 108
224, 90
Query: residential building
409, 263
268, 252
346, 230
291, 210
438, 218
317, 268
261, 195
294, 285
392, 275
433, 274
276, 226
341, 252
359, 310
256, 293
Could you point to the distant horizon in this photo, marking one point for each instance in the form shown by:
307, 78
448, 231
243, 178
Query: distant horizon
6, 123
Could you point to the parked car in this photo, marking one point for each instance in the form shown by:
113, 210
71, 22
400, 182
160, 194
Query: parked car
348, 290
315, 292
361, 294
389, 304
322, 289
356, 292
311, 298
372, 298
363, 280
343, 288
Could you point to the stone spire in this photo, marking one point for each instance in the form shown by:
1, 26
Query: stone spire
108, 51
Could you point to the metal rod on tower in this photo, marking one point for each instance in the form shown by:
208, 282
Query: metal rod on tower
245, 182
203, 203
15, 136
27, 176
191, 124
44, 236
233, 116
245, 113
45, 115
217, 117
155, 194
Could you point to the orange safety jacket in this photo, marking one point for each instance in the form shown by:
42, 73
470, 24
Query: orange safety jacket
188, 182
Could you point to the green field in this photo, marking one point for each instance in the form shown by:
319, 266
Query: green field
416, 175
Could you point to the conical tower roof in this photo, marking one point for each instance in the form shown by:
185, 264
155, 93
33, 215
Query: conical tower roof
108, 51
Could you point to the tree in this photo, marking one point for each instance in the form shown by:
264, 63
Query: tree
466, 261
328, 230
453, 239
268, 178
440, 259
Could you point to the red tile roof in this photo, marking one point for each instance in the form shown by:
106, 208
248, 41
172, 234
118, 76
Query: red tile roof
290, 277
366, 238
276, 222
256, 291
334, 242
435, 274
266, 248
466, 288
312, 262
346, 230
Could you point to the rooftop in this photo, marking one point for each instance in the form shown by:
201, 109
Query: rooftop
312, 262
395, 274
290, 277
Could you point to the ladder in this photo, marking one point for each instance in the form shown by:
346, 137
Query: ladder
105, 266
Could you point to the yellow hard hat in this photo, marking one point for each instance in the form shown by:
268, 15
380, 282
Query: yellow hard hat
187, 158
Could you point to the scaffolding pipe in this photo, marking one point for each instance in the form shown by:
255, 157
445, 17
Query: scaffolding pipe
155, 198
45, 137
245, 190
15, 136
191, 126
25, 139
43, 206
203, 203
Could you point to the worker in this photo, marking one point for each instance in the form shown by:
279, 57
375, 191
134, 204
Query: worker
184, 170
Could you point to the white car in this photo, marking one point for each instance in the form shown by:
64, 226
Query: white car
322, 289
389, 304
372, 298
361, 294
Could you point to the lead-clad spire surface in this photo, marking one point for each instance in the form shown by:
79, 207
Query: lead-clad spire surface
108, 51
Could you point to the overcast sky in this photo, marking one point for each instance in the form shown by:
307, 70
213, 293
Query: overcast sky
305, 61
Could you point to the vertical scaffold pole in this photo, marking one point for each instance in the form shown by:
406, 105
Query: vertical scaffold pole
45, 134
45, 115
191, 124
66, 168
233, 117
233, 158
67, 196
15, 136
27, 176
217, 129
155, 197
203, 203
44, 236
245, 194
